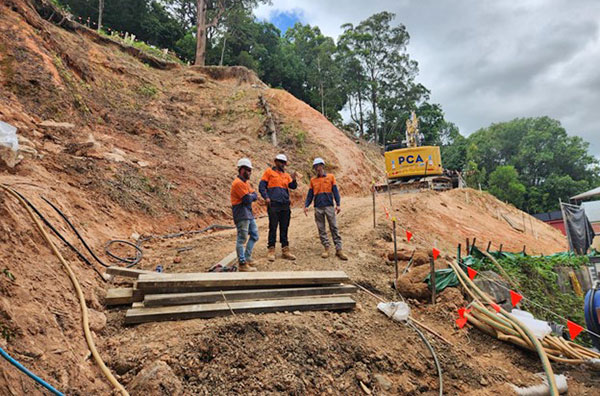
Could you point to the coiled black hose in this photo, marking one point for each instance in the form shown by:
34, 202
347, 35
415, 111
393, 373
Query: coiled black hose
129, 261
60, 236
66, 219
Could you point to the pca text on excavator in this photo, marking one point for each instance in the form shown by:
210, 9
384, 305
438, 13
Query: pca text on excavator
414, 167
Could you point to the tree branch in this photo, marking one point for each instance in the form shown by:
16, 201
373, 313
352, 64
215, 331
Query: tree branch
221, 10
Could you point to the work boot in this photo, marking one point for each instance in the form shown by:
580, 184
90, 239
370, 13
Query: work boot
271, 254
244, 267
251, 263
285, 253
341, 255
325, 253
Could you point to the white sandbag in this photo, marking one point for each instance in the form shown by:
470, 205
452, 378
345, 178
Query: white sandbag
8, 136
538, 327
542, 389
398, 311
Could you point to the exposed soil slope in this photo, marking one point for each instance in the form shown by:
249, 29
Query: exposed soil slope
125, 147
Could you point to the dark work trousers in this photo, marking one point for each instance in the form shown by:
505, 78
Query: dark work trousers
279, 216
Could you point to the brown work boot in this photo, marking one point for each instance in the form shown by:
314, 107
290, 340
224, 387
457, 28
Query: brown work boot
244, 267
251, 263
271, 254
341, 255
325, 253
285, 253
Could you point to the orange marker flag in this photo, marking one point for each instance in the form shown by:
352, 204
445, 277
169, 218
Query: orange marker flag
515, 298
408, 235
436, 253
496, 307
461, 322
472, 273
574, 329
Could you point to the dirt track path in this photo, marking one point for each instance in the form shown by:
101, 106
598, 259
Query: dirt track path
311, 352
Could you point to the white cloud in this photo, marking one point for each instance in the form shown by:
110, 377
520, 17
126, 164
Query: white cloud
491, 60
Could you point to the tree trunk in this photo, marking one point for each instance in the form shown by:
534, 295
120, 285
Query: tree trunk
360, 112
321, 86
223, 49
201, 34
100, 12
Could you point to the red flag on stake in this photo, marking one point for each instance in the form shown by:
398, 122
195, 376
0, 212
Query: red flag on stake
472, 273
496, 307
436, 253
408, 235
461, 312
574, 329
461, 322
387, 214
515, 298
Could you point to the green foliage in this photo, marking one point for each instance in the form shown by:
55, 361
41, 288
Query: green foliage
381, 75
550, 164
504, 184
6, 332
148, 90
537, 278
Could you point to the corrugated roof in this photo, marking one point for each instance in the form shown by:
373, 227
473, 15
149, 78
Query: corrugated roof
592, 211
588, 194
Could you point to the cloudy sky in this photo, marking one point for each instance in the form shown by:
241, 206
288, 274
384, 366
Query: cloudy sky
487, 61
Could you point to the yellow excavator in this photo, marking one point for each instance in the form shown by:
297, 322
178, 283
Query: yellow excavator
414, 167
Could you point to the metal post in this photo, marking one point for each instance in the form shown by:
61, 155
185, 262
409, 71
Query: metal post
489, 246
468, 250
473, 245
374, 221
432, 278
500, 249
395, 250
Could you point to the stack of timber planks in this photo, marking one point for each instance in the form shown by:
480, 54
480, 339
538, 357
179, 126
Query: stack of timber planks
173, 296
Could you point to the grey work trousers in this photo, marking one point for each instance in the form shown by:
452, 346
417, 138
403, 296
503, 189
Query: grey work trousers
328, 212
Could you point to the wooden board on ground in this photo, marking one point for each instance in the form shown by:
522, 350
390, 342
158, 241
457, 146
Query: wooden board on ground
122, 296
230, 258
158, 300
198, 281
513, 223
153, 314
128, 272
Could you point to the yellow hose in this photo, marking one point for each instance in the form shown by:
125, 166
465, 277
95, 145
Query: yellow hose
520, 327
84, 312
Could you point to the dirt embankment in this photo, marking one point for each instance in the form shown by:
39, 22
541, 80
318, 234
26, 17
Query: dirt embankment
123, 147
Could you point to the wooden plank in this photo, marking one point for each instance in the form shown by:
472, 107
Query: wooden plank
128, 272
137, 305
154, 314
122, 296
230, 258
158, 300
201, 280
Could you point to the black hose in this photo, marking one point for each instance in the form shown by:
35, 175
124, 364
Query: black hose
129, 261
435, 359
59, 235
66, 219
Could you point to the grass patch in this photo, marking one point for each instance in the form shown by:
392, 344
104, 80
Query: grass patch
147, 90
538, 278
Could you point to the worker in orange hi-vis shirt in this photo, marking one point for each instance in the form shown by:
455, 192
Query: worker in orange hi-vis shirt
274, 187
324, 191
242, 196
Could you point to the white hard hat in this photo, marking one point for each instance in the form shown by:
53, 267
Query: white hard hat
244, 162
318, 161
281, 157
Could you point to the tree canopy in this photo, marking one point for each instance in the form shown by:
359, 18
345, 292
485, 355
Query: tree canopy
368, 76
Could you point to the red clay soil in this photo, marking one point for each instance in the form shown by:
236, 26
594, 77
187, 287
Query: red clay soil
153, 151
